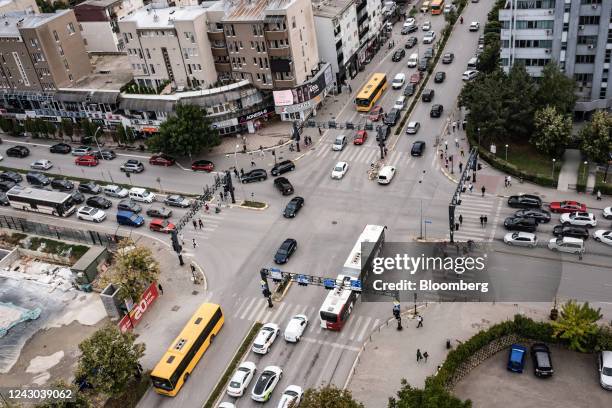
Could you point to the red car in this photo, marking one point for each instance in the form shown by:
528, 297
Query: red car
567, 207
376, 113
360, 137
416, 77
89, 161
162, 160
205, 165
160, 225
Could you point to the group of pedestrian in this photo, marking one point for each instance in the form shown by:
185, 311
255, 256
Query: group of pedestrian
197, 223
507, 181
423, 356
307, 140
483, 221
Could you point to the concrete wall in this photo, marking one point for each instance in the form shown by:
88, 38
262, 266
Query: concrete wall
99, 37
302, 39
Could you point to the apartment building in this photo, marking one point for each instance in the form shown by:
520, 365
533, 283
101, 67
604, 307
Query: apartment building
29, 6
41, 51
98, 23
169, 44
577, 34
272, 43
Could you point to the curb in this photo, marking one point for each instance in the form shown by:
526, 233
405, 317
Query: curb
201, 270
246, 207
257, 150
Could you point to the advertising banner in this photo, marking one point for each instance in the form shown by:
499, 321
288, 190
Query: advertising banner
131, 319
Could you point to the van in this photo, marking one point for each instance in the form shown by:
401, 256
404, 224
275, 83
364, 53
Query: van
385, 175
413, 60
472, 63
398, 81
339, 143
36, 178
567, 244
142, 195
113, 190
129, 218
400, 103
425, 7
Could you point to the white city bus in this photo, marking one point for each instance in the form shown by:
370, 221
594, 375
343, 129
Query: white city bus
42, 201
340, 301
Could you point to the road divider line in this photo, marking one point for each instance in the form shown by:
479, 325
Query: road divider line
329, 343
249, 308
364, 329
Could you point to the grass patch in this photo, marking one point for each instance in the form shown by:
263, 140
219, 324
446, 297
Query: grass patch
57, 247
253, 204
605, 188
525, 158
136, 389
583, 175
242, 350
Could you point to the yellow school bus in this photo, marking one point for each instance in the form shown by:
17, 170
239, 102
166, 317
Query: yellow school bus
180, 359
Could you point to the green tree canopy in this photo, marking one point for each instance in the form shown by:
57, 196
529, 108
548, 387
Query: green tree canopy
80, 400
488, 61
432, 396
577, 325
329, 397
68, 127
597, 138
556, 89
519, 103
186, 133
109, 359
552, 131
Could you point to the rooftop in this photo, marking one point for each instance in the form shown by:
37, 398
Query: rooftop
98, 3
249, 10
329, 8
110, 73
148, 17
11, 22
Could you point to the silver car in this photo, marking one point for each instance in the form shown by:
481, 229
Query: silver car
526, 239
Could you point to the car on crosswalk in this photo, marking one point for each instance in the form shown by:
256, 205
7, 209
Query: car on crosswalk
360, 137
526, 239
295, 328
265, 338
584, 219
241, 379
339, 170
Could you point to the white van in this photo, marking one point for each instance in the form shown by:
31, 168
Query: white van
413, 60
472, 63
142, 195
398, 81
113, 190
400, 103
567, 244
385, 175
339, 143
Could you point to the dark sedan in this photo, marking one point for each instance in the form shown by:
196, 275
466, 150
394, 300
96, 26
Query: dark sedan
398, 55
541, 216
129, 205
573, 231
282, 167
525, 201
383, 131
520, 224
436, 111
90, 188
99, 202
422, 65
6, 185
293, 207
409, 90
12, 176
412, 41
104, 154
392, 117
254, 175
62, 148
18, 151
283, 185
285, 251
62, 185
439, 77
202, 165
159, 212
418, 148
77, 197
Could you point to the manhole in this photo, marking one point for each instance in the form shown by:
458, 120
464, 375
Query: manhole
334, 222
175, 308
195, 292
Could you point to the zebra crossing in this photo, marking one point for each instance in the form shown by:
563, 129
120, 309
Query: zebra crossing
256, 309
211, 223
472, 207
366, 155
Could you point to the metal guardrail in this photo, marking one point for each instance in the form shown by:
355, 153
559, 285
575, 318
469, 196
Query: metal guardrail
199, 202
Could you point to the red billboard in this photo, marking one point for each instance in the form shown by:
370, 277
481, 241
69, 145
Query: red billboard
131, 319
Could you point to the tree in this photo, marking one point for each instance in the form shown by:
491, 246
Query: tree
121, 135
577, 325
7, 125
68, 127
80, 400
488, 61
135, 269
519, 103
556, 89
432, 396
185, 133
329, 397
552, 131
451, 17
109, 359
596, 137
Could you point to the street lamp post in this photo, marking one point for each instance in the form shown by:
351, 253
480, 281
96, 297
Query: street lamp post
506, 152
96, 139
553, 168
584, 169
478, 136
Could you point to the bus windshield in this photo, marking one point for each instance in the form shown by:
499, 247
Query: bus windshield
330, 317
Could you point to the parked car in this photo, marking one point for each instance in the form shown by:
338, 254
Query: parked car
159, 212
360, 137
291, 397
607, 212
282, 167
241, 379
339, 170
129, 205
541, 216
112, 190
62, 184
90, 161
520, 224
524, 201
293, 207
62, 148
566, 206
82, 151
176, 200
584, 219
418, 148
6, 185
283, 185
42, 164
392, 117
265, 338
439, 77
516, 358
18, 151
99, 202
526, 239
161, 159
12, 176
89, 187
603, 236
542, 362
202, 165
398, 55
448, 58
285, 251
161, 225
567, 244
412, 41
267, 381
571, 231
104, 154
375, 113
295, 328
604, 363
132, 166
413, 128
87, 213
436, 111
469, 75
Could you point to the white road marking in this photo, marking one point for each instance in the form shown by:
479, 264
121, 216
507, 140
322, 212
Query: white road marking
239, 309
248, 309
363, 331
330, 343
356, 325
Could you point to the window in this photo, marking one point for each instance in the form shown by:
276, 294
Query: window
588, 20
152, 69
583, 79
60, 49
608, 54
590, 1
70, 28
602, 93
532, 24
585, 59
66, 64
34, 42
586, 39
55, 35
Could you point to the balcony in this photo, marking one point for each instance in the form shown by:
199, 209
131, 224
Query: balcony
284, 83
216, 35
279, 52
276, 35
219, 51
223, 67
362, 19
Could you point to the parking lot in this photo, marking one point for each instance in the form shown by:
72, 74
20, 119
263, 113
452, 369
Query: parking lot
574, 384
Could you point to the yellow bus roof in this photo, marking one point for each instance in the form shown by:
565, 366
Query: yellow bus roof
181, 344
369, 87
436, 2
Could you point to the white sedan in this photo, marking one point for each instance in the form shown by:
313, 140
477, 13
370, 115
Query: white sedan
521, 239
583, 219
604, 236
429, 37
474, 26
266, 336
295, 328
42, 164
339, 170
91, 214
607, 213
426, 26
241, 379
292, 396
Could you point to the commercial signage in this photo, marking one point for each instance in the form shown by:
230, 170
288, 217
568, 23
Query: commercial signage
307, 91
295, 108
283, 98
255, 115
131, 319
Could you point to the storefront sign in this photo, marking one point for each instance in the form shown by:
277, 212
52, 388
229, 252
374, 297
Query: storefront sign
255, 115
131, 319
283, 98
295, 108
307, 91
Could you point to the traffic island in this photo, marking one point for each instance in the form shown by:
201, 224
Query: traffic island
253, 205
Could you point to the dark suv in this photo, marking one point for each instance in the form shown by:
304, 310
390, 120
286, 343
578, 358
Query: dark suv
384, 131
37, 179
6, 185
62, 184
427, 95
283, 185
392, 117
282, 167
12, 176
542, 363
18, 151
573, 231
436, 111
520, 224
418, 148
254, 175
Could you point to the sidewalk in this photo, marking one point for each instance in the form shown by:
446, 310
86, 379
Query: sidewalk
568, 175
391, 354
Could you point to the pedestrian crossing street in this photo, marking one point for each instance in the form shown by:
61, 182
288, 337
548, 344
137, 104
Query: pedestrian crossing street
357, 329
471, 208
366, 155
211, 222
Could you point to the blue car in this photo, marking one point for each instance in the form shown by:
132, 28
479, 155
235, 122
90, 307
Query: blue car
516, 358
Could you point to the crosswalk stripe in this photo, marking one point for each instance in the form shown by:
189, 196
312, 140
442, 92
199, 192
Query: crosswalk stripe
243, 303
259, 311
470, 229
363, 331
276, 314
468, 236
248, 309
354, 329
371, 158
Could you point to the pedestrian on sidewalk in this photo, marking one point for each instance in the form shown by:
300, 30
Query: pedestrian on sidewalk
483, 189
506, 182
462, 152
456, 142
460, 219
485, 221
350, 89
482, 221
241, 172
206, 208
236, 173
195, 224
456, 226
195, 244
200, 223
320, 131
470, 187
598, 195
425, 356
446, 145
385, 150
220, 196
419, 355
160, 288
509, 181
460, 167
420, 321
252, 163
